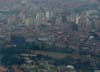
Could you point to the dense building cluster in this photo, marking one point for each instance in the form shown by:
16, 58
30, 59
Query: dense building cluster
53, 25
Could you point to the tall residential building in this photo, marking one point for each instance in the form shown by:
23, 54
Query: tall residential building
40, 17
28, 21
78, 19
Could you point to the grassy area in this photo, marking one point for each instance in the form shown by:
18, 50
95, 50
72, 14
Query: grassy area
58, 55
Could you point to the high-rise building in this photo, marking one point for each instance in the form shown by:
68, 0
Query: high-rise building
28, 21
78, 19
40, 17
